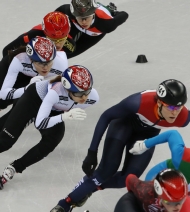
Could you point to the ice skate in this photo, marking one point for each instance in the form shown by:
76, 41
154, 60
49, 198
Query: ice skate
57, 208
8, 173
1, 183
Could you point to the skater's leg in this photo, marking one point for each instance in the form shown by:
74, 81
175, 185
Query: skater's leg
51, 137
112, 154
25, 109
16, 122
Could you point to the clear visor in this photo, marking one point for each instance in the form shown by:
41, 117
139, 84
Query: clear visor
174, 203
171, 107
43, 64
80, 18
82, 93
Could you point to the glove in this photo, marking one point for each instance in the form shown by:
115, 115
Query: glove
90, 163
112, 8
138, 148
35, 79
74, 114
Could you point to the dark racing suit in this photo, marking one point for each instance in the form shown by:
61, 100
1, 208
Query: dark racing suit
134, 118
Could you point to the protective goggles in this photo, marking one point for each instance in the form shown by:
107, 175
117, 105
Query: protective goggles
82, 93
58, 40
174, 203
171, 107
86, 18
43, 64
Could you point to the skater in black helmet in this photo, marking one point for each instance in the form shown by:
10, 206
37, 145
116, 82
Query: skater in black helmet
90, 22
139, 116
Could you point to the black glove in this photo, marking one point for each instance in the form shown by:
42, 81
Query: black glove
90, 163
112, 8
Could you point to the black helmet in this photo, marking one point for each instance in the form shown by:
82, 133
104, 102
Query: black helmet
83, 8
172, 92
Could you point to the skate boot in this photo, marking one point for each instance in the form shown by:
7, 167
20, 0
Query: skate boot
57, 208
8, 174
82, 201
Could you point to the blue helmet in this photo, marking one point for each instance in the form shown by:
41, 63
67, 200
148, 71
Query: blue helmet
77, 78
41, 49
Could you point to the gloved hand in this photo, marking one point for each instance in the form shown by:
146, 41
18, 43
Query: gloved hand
90, 163
112, 8
138, 148
35, 79
74, 114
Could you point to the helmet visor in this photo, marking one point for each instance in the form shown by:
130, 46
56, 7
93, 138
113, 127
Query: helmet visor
58, 40
43, 64
171, 107
174, 203
87, 18
82, 93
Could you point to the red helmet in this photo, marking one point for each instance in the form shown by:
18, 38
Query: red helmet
171, 185
56, 25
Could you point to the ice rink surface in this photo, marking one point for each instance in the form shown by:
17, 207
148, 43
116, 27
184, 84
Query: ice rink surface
160, 29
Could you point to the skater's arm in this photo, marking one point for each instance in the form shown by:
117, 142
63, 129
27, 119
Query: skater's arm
175, 142
155, 170
43, 120
7, 90
141, 189
22, 40
109, 25
126, 107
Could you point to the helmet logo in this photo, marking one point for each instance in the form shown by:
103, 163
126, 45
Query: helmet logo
157, 187
83, 5
44, 48
179, 103
65, 83
79, 3
80, 77
56, 25
29, 50
161, 91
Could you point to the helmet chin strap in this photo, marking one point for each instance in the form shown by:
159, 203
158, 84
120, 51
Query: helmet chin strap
160, 110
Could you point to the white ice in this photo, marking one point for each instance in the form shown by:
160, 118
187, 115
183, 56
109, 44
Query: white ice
160, 29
